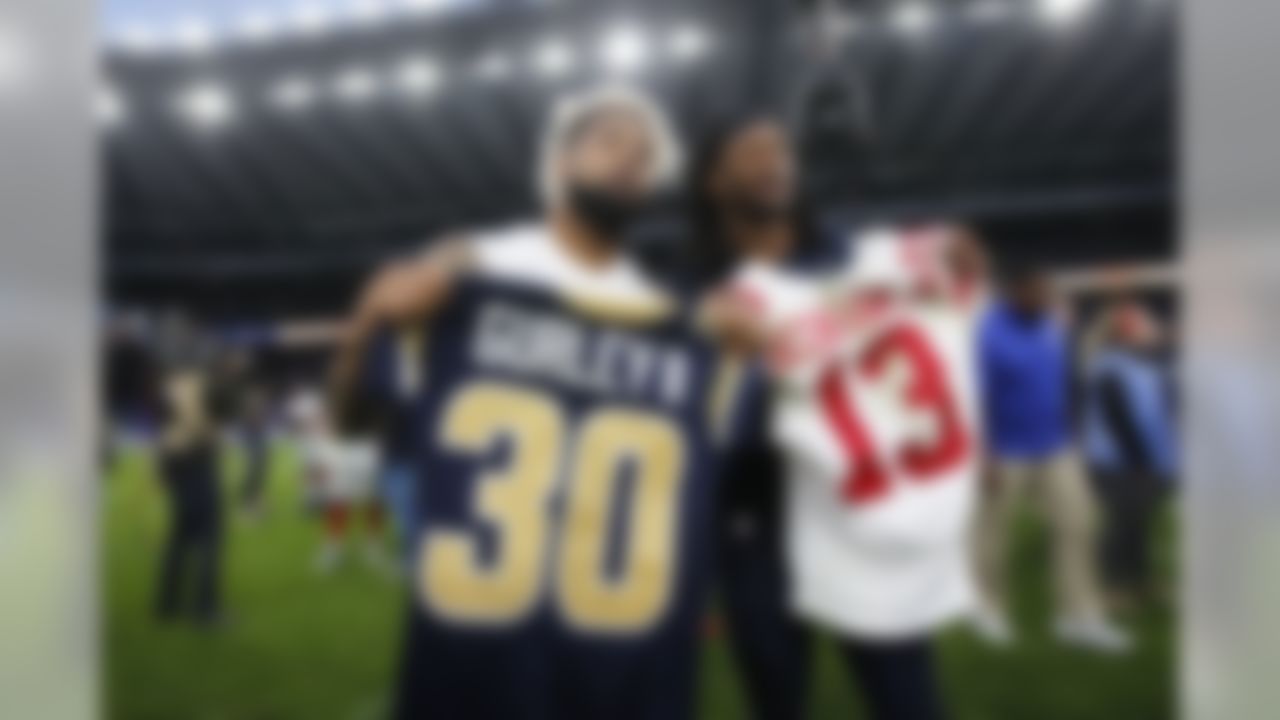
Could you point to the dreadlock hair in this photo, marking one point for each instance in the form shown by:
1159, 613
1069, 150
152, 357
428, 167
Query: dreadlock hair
711, 254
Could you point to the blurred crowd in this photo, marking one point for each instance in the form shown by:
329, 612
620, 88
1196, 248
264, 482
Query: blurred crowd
189, 396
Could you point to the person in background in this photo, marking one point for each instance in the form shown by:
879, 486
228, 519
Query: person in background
255, 420
394, 369
191, 412
398, 476
1025, 366
246, 403
1129, 439
341, 472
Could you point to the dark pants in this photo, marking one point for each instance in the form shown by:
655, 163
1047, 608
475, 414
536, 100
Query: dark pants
1130, 500
898, 680
255, 472
771, 647
191, 555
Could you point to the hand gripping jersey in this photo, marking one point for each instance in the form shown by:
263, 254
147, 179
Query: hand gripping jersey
568, 440
875, 411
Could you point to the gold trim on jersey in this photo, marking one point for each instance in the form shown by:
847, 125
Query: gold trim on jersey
625, 312
725, 389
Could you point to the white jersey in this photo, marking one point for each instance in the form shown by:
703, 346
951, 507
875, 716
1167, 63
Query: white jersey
875, 411
335, 468
343, 470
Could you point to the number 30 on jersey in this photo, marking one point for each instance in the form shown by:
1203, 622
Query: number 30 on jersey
514, 500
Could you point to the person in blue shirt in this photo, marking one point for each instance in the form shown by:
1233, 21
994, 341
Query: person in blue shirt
1025, 361
1129, 440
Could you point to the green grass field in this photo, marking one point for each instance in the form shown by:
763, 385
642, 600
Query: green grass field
300, 645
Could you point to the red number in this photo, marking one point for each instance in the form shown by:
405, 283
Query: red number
867, 480
927, 391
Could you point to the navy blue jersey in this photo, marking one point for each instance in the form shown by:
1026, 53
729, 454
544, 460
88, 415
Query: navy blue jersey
568, 463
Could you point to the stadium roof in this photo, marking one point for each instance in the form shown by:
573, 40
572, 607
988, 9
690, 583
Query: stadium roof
320, 148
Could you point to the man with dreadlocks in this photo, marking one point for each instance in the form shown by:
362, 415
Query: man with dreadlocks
874, 419
746, 208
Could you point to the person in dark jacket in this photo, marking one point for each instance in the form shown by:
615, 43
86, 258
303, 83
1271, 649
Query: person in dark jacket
192, 406
244, 400
1129, 440
745, 207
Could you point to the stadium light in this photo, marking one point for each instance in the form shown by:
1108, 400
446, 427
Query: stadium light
137, 39
624, 49
552, 59
194, 36
367, 12
355, 86
110, 108
292, 94
311, 20
420, 7
913, 18
256, 26
206, 106
418, 77
989, 11
1063, 12
493, 67
689, 42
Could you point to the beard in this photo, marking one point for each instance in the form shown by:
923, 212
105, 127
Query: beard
755, 211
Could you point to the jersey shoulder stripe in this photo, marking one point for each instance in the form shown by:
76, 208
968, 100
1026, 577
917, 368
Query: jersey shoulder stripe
529, 255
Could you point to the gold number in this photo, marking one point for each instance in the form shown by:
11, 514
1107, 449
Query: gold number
515, 500
639, 593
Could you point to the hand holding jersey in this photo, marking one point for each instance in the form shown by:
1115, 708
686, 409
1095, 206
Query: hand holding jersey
876, 412
564, 434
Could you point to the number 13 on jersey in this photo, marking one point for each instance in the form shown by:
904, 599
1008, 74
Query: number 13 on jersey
926, 393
